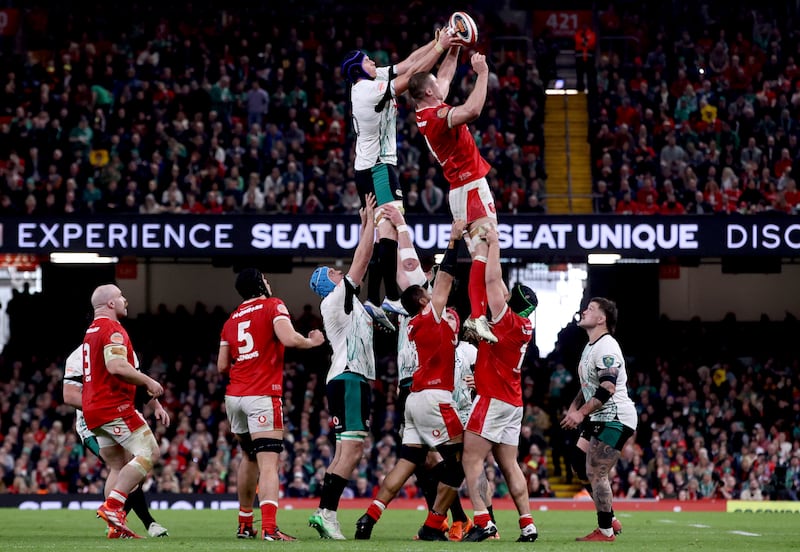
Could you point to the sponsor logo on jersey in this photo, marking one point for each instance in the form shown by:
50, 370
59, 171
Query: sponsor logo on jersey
248, 356
247, 310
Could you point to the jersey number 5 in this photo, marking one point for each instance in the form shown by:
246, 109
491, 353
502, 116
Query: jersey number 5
244, 337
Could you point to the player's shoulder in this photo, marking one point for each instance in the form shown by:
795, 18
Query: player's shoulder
608, 344
73, 366
277, 306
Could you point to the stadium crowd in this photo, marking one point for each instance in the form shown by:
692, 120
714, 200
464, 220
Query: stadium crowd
719, 416
194, 110
698, 112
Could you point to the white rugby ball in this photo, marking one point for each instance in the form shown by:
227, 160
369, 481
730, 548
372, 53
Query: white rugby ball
463, 28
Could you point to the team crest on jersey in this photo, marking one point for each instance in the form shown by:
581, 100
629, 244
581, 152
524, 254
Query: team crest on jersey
116, 337
436, 433
117, 430
608, 361
442, 112
262, 419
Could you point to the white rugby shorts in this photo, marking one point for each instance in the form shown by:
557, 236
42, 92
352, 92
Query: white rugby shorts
431, 418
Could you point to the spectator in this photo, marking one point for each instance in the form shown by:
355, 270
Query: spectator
257, 104
432, 197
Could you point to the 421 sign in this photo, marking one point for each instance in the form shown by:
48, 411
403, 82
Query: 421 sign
560, 23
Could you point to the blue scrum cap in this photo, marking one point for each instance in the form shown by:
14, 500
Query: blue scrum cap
320, 283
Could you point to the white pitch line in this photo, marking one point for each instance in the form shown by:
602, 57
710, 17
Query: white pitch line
699, 526
666, 520
745, 533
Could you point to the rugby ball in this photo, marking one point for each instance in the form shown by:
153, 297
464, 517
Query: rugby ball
463, 27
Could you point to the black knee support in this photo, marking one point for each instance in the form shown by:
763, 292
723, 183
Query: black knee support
247, 445
452, 473
267, 445
415, 455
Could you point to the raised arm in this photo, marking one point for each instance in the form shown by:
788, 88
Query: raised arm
421, 59
447, 70
409, 270
496, 289
444, 279
471, 109
365, 243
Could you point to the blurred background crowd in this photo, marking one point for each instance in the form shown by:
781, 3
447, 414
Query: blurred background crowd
187, 108
190, 109
697, 111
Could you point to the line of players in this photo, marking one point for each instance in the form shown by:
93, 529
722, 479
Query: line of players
428, 333
436, 384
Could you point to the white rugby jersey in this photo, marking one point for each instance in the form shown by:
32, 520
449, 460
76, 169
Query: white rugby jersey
377, 132
349, 329
597, 357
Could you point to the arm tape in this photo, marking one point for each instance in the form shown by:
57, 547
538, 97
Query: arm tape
602, 394
611, 378
450, 258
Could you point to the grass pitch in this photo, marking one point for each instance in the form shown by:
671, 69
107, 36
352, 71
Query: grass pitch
214, 531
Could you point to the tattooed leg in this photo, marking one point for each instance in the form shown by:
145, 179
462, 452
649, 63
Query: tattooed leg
600, 459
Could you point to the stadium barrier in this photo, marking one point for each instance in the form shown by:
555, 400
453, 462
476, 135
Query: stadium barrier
176, 501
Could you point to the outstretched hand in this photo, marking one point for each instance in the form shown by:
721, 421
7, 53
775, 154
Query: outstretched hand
367, 212
478, 62
446, 38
